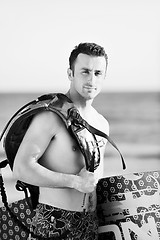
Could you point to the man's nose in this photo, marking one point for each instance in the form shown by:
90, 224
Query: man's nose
92, 78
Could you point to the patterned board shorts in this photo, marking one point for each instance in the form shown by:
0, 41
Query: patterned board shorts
55, 223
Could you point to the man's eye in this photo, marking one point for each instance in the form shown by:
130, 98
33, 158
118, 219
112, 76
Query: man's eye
85, 72
98, 73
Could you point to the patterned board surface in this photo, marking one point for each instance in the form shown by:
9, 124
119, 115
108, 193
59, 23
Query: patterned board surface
128, 209
129, 206
10, 230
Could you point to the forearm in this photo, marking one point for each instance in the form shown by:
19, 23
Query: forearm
27, 169
38, 175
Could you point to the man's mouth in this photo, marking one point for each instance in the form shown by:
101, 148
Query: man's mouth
90, 87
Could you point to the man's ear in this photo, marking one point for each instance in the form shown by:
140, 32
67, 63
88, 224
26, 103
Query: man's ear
70, 74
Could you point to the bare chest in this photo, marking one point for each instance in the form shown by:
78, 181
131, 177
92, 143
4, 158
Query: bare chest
63, 154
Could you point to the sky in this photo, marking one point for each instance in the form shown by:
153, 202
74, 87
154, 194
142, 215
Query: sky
37, 36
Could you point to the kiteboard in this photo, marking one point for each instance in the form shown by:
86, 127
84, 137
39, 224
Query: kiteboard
128, 206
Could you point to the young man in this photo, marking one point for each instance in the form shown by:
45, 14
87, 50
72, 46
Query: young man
49, 157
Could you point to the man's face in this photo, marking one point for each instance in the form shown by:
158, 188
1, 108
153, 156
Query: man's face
88, 76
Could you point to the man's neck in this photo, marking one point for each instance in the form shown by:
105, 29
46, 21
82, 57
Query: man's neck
84, 106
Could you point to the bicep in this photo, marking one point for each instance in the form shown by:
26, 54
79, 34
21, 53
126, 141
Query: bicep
37, 138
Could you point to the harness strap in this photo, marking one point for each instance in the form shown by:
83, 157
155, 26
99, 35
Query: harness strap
4, 163
41, 98
102, 134
76, 119
4, 130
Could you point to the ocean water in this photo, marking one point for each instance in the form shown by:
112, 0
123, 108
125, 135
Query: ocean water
135, 126
134, 120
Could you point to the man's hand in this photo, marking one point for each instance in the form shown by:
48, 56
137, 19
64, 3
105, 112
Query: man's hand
86, 181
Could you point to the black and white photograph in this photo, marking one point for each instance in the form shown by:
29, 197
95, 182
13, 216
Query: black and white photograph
80, 119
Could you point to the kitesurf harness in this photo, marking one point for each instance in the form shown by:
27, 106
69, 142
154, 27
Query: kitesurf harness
60, 104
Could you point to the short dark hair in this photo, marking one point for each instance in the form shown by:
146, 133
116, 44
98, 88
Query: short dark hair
91, 49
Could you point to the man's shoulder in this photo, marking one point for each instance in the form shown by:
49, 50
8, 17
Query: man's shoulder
100, 116
105, 123
47, 119
45, 115
102, 122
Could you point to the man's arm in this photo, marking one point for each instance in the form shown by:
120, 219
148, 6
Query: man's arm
37, 138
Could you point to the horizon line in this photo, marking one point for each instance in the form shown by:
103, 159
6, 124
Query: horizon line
103, 91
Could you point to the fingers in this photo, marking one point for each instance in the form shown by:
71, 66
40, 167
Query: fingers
86, 181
